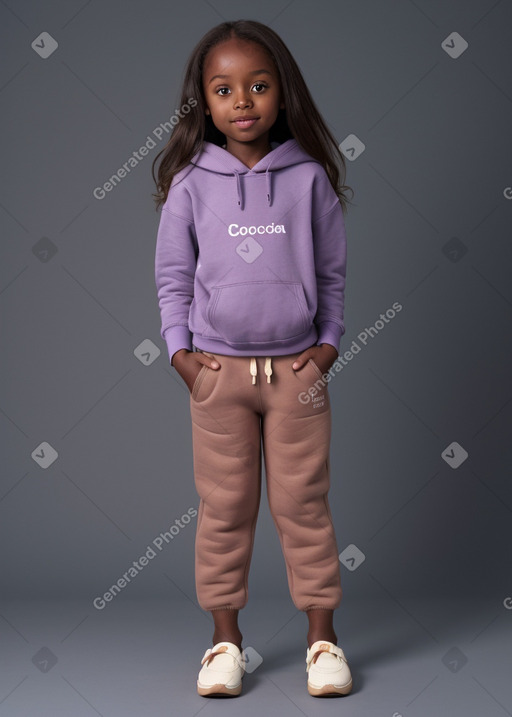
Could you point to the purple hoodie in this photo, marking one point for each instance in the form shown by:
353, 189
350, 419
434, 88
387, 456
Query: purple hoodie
251, 262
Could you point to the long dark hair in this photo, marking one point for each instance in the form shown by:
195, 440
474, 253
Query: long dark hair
300, 119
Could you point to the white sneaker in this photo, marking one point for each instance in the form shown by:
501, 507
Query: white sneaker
222, 670
328, 670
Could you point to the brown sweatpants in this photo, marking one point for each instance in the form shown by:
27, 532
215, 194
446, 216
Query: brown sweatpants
235, 411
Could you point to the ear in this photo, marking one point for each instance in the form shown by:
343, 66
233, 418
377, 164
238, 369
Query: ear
207, 111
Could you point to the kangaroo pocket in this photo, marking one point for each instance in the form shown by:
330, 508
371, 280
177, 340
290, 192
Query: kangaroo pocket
258, 311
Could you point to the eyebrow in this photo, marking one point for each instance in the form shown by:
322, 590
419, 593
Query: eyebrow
254, 72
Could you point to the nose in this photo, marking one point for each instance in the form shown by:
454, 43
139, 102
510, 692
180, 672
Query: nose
242, 101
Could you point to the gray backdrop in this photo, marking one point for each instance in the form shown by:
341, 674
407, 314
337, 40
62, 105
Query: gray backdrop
96, 450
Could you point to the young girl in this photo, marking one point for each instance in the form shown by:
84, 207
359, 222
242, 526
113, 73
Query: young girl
250, 271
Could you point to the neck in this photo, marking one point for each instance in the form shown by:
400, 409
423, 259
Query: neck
249, 153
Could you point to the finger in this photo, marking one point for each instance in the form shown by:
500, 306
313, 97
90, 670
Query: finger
208, 360
299, 362
211, 362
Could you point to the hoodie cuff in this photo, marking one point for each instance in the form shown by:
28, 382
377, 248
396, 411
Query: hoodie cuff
330, 332
178, 337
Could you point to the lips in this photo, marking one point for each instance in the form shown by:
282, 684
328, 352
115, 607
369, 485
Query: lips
245, 121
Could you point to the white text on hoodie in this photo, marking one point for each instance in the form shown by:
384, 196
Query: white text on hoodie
235, 230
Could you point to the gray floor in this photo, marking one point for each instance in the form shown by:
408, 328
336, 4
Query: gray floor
409, 658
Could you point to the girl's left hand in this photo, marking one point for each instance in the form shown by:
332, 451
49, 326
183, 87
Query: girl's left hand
323, 355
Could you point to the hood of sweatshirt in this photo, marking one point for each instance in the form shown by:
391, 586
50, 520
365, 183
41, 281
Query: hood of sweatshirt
218, 160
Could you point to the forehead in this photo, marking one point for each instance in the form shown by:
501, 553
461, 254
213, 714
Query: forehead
236, 54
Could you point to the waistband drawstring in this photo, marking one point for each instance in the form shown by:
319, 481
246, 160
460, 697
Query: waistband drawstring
253, 368
268, 368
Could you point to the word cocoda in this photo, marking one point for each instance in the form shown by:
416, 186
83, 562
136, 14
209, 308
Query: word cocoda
235, 230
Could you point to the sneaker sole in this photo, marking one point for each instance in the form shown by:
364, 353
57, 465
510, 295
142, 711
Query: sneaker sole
327, 690
219, 689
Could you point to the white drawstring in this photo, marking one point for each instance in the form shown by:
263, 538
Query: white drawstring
268, 368
253, 368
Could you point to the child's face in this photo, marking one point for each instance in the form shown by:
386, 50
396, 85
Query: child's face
249, 87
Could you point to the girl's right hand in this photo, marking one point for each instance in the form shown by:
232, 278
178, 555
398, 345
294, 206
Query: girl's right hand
189, 364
